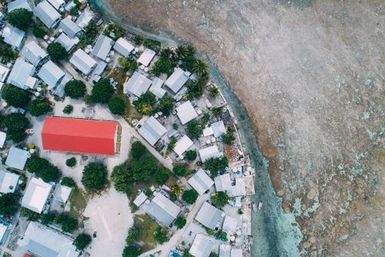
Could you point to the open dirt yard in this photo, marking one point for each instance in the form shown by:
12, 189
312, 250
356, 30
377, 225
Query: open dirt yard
311, 74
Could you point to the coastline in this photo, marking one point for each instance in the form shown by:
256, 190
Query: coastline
273, 231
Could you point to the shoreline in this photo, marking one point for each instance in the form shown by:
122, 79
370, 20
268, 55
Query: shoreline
273, 231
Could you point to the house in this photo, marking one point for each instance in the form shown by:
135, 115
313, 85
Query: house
8, 182
162, 209
146, 57
210, 217
36, 195
70, 28
224, 250
201, 182
102, 47
79, 135
202, 246
19, 4
51, 74
123, 47
218, 128
140, 199
47, 14
230, 225
3, 138
17, 158
239, 188
209, 152
4, 226
62, 193
40, 240
177, 80
67, 42
85, 18
59, 90
137, 85
3, 73
152, 130
13, 36
182, 145
186, 112
156, 87
83, 62
33, 53
99, 69
236, 252
20, 75
57, 4
223, 183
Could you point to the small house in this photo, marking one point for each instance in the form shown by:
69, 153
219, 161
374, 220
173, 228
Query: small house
152, 130
201, 182
51, 74
83, 62
17, 158
70, 28
137, 85
186, 112
33, 53
210, 216
202, 246
67, 42
47, 14
123, 47
177, 80
210, 152
19, 4
162, 209
36, 195
8, 182
146, 57
21, 75
13, 36
182, 145
57, 4
102, 47
156, 87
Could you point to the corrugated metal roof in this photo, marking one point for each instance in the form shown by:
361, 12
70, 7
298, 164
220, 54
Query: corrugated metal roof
69, 27
36, 195
8, 182
51, 74
152, 130
17, 158
67, 42
146, 57
209, 152
123, 46
137, 85
33, 53
57, 3
47, 14
13, 36
83, 62
186, 112
182, 145
102, 47
163, 209
177, 80
20, 73
201, 182
201, 246
19, 4
209, 216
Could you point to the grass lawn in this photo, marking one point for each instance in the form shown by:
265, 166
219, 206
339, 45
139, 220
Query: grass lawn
146, 233
78, 202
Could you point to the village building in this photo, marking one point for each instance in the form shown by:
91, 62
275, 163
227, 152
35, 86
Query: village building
51, 74
182, 145
70, 28
83, 62
99, 69
223, 183
137, 85
224, 250
140, 199
210, 217
20, 75
8, 182
19, 4
59, 90
102, 47
57, 4
4, 227
67, 42
201, 182
230, 225
146, 57
43, 241
156, 87
123, 47
209, 152
218, 128
177, 80
4, 71
17, 158
3, 138
47, 14
85, 18
202, 246
33, 53
62, 193
36, 195
162, 209
236, 252
152, 130
13, 36
80, 136
239, 188
186, 112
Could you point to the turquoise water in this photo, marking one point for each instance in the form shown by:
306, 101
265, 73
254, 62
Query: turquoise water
275, 234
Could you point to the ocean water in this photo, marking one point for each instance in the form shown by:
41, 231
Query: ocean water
275, 233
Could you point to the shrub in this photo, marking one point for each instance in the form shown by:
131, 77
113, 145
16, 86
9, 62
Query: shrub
180, 170
75, 89
194, 129
102, 91
127, 64
43, 169
67, 181
16, 97
95, 176
180, 222
131, 251
16, 124
162, 176
20, 18
190, 196
220, 199
48, 218
190, 155
216, 165
145, 104
67, 222
228, 138
117, 105
30, 215
161, 235
40, 106
39, 32
71, 162
166, 105
9, 204
138, 150
68, 109
57, 52
133, 234
82, 241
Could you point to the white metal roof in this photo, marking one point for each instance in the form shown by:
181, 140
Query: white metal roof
146, 57
36, 195
230, 224
210, 217
177, 80
3, 73
3, 137
57, 4
236, 252
33, 53
123, 46
201, 182
209, 152
186, 112
218, 128
19, 4
13, 36
3, 231
163, 209
51, 74
20, 74
8, 182
67, 42
102, 47
208, 132
223, 183
152, 130
82, 61
85, 18
182, 145
137, 85
239, 189
69, 27
140, 199
201, 246
47, 14
156, 87
224, 250
17, 158
62, 193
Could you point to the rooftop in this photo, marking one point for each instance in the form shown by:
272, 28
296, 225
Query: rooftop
70, 28
33, 53
146, 57
163, 209
20, 75
36, 195
182, 145
57, 4
67, 42
17, 158
152, 130
209, 152
51, 74
201, 246
83, 62
47, 14
123, 47
19, 4
137, 85
177, 80
186, 112
201, 182
210, 217
8, 182
102, 47
13, 36
156, 87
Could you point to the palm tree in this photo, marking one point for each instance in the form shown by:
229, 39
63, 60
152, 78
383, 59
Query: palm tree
200, 68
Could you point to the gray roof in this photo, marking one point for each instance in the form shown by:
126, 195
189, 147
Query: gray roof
33, 53
57, 4
83, 62
102, 47
8, 182
85, 17
67, 42
163, 209
224, 250
152, 130
47, 14
69, 27
59, 90
123, 47
201, 182
4, 71
19, 4
13, 36
201, 246
146, 57
177, 80
17, 158
51, 74
46, 242
20, 75
186, 112
209, 216
209, 152
156, 87
36, 195
218, 128
100, 68
137, 85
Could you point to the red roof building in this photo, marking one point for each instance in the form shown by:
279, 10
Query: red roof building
79, 135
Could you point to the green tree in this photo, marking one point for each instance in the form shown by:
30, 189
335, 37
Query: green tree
180, 170
15, 97
216, 165
67, 222
131, 251
57, 52
162, 176
43, 169
67, 181
16, 124
122, 177
190, 196
71, 162
68, 109
166, 105
82, 241
200, 68
145, 103
20, 18
190, 155
228, 138
133, 235
117, 105
40, 106
39, 31
138, 150
95, 176
180, 222
213, 91
194, 129
220, 199
30, 215
161, 235
102, 91
128, 64
48, 218
75, 89
9, 204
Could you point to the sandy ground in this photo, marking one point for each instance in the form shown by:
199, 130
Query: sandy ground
311, 76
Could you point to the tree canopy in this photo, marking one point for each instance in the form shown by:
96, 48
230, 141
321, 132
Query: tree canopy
16, 124
43, 169
71, 162
95, 176
194, 129
102, 91
117, 105
166, 105
57, 52
82, 241
161, 235
180, 222
40, 106
190, 196
145, 104
190, 155
9, 204
216, 165
180, 170
220, 199
20, 18
131, 251
75, 89
67, 181
15, 96
68, 223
